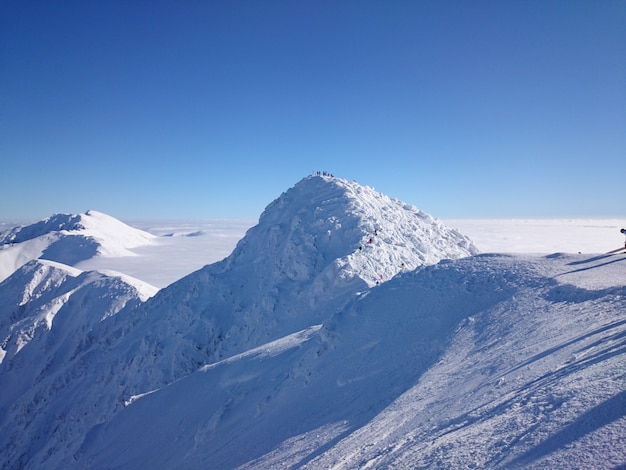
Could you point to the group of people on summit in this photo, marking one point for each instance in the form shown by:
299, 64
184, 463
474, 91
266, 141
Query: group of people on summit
323, 173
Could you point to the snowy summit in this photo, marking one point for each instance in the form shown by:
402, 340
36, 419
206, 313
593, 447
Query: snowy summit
346, 330
327, 224
318, 246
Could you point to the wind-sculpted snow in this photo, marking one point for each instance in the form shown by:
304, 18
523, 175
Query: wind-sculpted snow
42, 293
469, 363
352, 230
346, 330
56, 223
308, 256
48, 312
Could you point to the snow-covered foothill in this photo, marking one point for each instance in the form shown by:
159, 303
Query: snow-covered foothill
34, 296
49, 315
69, 239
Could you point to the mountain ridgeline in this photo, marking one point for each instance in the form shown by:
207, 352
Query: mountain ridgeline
346, 330
318, 246
321, 244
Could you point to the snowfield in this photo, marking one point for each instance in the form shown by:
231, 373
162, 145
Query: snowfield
345, 330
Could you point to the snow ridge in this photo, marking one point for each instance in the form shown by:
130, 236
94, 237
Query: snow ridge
297, 267
346, 330
309, 255
68, 239
494, 368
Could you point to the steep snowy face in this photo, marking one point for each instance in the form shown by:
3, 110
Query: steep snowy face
316, 247
503, 363
35, 294
47, 311
343, 230
68, 239
49, 317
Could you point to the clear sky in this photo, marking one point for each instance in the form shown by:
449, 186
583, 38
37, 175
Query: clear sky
211, 109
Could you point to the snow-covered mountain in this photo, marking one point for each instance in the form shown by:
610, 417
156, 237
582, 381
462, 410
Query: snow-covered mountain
347, 330
68, 239
487, 362
316, 247
41, 289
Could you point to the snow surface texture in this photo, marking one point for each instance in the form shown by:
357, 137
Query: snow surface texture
310, 347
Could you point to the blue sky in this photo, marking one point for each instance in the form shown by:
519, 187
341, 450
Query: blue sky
211, 109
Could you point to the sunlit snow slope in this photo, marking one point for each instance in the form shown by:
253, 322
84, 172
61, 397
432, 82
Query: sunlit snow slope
315, 248
68, 239
488, 362
346, 330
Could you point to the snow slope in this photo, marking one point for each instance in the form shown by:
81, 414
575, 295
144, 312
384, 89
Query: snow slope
48, 313
307, 257
503, 362
309, 346
40, 290
68, 239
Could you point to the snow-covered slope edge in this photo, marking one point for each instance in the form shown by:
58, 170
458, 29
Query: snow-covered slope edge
316, 247
41, 293
307, 258
49, 315
68, 239
503, 362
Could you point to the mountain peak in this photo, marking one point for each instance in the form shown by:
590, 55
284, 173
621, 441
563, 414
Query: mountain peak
326, 220
54, 223
91, 223
69, 239
317, 247
282, 355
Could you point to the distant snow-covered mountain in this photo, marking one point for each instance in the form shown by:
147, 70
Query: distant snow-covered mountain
347, 329
68, 239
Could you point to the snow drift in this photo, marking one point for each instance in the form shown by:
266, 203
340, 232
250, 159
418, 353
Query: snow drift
346, 330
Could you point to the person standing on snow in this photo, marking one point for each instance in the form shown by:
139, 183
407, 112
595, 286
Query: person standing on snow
624, 232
